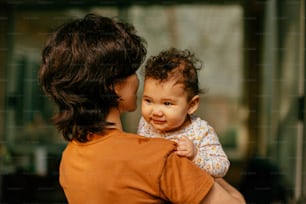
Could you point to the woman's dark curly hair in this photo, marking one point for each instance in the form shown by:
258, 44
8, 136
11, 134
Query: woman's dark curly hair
175, 64
81, 62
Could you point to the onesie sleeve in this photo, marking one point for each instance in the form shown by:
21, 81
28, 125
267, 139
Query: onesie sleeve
211, 156
182, 181
143, 128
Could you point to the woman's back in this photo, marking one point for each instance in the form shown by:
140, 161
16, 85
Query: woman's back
129, 176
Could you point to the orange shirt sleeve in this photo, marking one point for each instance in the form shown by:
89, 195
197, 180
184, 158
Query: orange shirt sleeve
183, 182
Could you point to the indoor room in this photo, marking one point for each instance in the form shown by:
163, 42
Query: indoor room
253, 74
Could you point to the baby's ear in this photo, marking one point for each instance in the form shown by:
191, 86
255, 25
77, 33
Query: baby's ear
194, 104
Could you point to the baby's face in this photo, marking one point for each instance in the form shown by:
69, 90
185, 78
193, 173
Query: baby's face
164, 105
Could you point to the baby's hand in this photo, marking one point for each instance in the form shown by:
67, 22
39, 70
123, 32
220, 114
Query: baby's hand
185, 147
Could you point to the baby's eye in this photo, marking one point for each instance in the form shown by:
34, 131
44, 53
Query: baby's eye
167, 103
147, 100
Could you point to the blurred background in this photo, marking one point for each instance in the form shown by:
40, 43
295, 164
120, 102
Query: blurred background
253, 54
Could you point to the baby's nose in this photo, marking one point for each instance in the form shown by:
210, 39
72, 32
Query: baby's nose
157, 111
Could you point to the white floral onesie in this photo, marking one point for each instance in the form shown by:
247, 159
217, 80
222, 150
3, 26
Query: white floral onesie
210, 157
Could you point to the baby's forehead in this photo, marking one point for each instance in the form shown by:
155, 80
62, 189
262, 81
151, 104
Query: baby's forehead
169, 85
170, 81
162, 88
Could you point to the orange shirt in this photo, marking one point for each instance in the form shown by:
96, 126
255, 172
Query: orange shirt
119, 167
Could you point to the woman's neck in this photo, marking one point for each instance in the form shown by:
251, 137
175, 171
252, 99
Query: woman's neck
114, 117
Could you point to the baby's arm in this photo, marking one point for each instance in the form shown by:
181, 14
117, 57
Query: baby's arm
211, 156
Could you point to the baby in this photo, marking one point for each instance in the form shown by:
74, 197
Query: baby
170, 97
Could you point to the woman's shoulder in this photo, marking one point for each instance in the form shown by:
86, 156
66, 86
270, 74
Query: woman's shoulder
153, 149
127, 142
148, 141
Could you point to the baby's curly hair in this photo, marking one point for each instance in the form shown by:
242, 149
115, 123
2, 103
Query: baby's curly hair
175, 64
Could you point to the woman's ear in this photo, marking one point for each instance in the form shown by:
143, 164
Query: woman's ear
194, 104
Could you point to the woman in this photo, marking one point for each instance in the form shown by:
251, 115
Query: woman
89, 70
